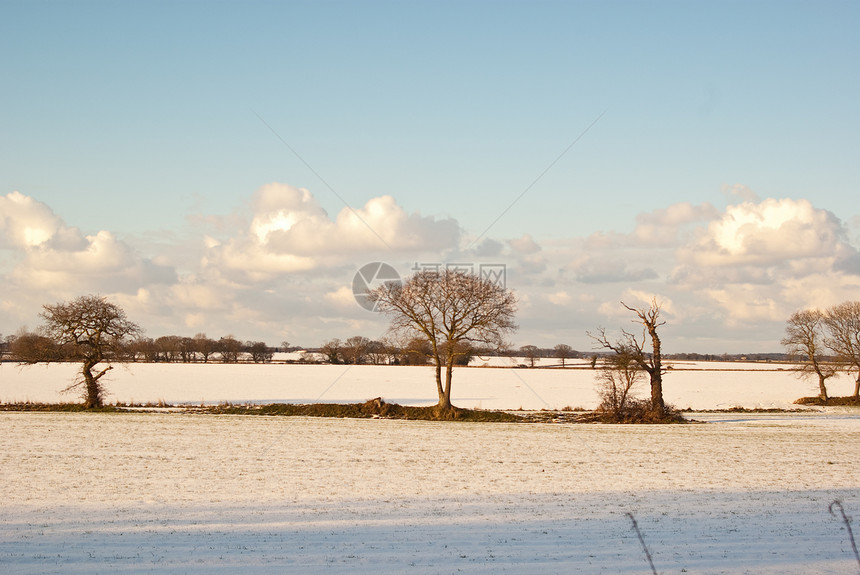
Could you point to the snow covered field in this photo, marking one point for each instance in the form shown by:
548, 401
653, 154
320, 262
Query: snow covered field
695, 385
176, 493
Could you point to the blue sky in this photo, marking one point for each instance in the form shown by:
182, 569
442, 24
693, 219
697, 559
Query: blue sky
160, 124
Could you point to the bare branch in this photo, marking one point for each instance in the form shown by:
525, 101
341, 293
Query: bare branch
451, 310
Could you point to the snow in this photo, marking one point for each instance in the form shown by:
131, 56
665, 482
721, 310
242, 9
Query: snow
178, 493
695, 385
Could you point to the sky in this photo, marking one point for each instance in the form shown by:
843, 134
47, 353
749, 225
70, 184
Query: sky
227, 168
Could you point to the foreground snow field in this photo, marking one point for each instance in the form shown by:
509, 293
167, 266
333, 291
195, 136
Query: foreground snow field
178, 493
173, 493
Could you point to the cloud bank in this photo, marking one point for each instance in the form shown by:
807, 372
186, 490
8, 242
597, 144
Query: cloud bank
281, 268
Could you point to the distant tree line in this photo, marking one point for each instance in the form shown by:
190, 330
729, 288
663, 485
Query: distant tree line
359, 350
165, 349
200, 348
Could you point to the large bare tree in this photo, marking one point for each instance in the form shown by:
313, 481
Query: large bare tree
449, 308
636, 348
843, 336
804, 344
92, 330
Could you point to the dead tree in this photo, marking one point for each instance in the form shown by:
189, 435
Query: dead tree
651, 362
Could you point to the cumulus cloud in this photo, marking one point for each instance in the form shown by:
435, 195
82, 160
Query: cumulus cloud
742, 269
290, 232
283, 269
27, 223
740, 192
662, 227
769, 233
52, 255
753, 260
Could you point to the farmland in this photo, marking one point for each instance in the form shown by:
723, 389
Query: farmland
168, 493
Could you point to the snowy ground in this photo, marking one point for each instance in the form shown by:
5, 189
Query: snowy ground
696, 385
175, 493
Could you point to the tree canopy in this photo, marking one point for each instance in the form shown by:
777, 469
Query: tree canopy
449, 309
89, 329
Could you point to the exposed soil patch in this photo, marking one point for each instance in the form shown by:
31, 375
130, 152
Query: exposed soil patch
831, 401
374, 408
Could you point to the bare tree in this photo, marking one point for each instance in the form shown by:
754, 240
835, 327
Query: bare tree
355, 349
393, 350
259, 351
843, 336
29, 348
144, 349
448, 308
531, 353
205, 346
377, 353
230, 349
186, 349
417, 351
563, 352
92, 330
333, 350
168, 347
615, 382
804, 344
635, 346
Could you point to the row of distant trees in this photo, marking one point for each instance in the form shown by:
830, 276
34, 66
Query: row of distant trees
355, 350
200, 348
419, 351
165, 349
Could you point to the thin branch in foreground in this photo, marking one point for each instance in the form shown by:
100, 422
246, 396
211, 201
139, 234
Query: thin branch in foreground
642, 541
847, 525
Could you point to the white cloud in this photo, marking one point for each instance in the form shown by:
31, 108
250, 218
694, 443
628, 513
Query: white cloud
28, 223
51, 255
760, 261
284, 270
341, 297
559, 298
602, 268
740, 192
769, 233
524, 245
290, 232
662, 227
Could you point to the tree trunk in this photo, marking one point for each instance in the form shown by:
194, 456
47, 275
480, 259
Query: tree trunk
857, 386
657, 404
822, 388
94, 395
445, 397
439, 389
656, 373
